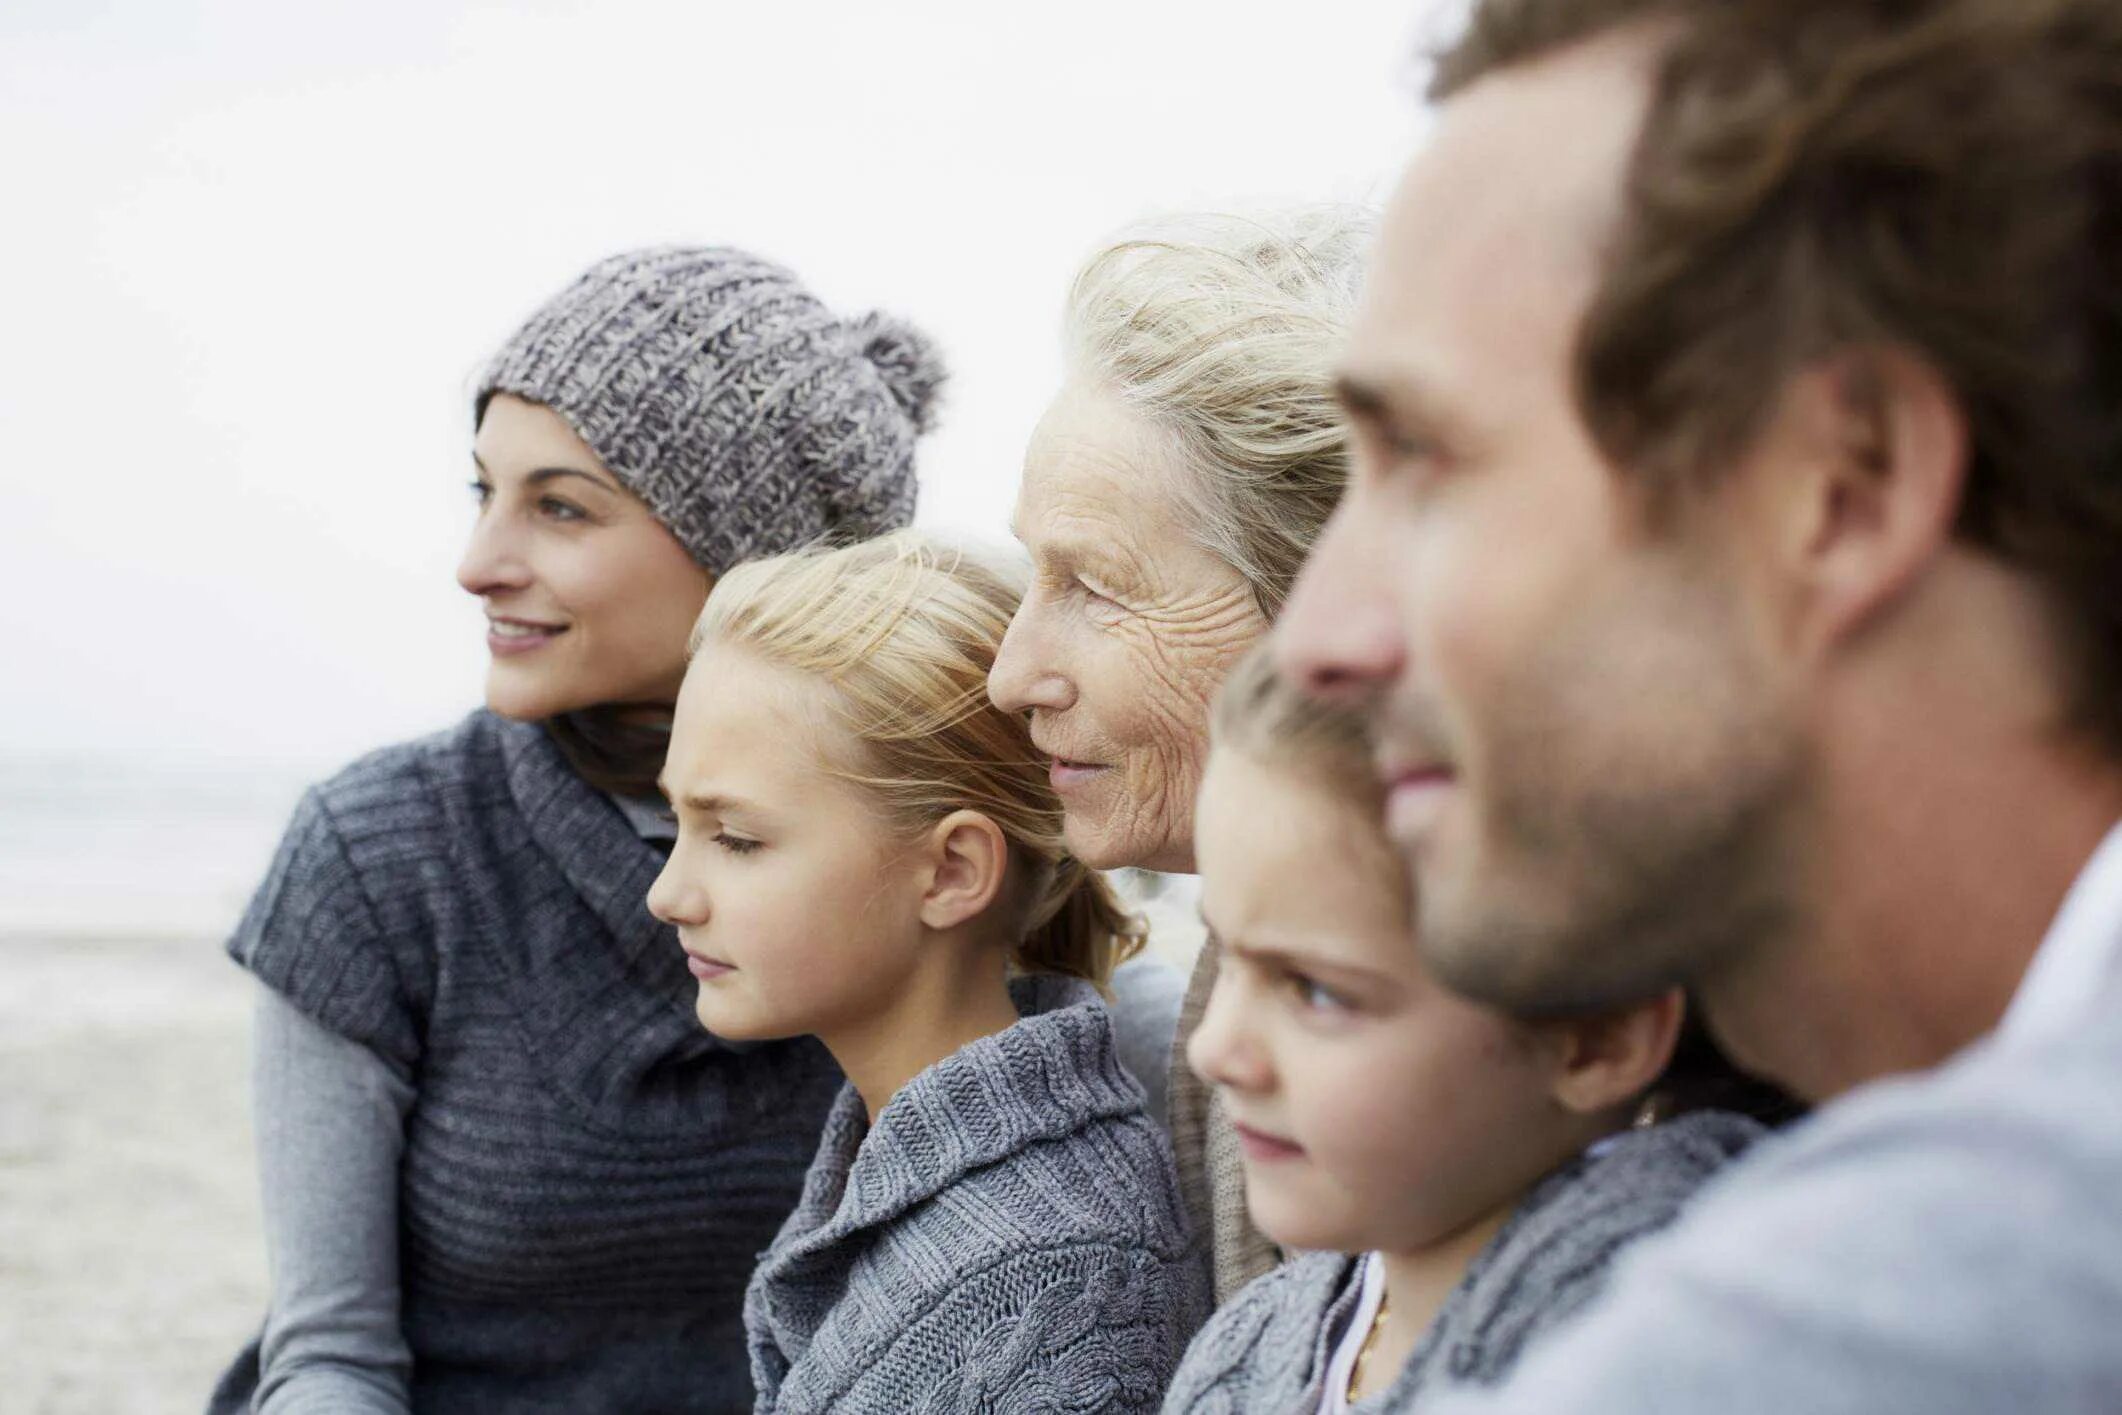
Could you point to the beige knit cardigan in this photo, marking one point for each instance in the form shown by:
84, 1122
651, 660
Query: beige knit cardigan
1211, 1173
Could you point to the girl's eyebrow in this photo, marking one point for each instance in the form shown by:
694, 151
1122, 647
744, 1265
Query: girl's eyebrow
705, 803
1290, 958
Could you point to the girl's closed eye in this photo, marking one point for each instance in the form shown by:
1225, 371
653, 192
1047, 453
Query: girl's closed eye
737, 844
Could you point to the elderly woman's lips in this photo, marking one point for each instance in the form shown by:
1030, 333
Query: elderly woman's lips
1065, 774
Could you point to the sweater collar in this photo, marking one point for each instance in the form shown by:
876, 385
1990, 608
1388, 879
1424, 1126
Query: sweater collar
1051, 1074
594, 845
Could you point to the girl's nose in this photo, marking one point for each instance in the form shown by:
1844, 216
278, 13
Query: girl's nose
1222, 1050
676, 900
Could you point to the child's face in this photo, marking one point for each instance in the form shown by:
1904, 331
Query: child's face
1374, 1108
796, 906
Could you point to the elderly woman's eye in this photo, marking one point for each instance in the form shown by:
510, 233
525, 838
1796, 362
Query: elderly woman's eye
1097, 596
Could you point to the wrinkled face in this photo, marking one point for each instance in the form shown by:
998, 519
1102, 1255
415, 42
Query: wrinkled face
1127, 631
795, 905
1375, 1109
588, 598
1590, 748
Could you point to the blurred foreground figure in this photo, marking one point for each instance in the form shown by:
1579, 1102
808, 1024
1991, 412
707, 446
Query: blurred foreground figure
1732, 569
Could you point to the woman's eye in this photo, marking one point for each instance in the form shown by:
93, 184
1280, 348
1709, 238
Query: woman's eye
736, 844
559, 510
482, 492
1097, 596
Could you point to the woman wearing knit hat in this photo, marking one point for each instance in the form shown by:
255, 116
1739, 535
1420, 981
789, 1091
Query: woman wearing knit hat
503, 1167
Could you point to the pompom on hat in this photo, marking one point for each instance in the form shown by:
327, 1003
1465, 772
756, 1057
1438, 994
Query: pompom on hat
750, 418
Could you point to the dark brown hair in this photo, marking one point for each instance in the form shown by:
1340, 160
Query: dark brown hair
1939, 177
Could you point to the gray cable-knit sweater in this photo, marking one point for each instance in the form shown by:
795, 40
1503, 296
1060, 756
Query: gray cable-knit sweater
1268, 1349
586, 1176
1007, 1238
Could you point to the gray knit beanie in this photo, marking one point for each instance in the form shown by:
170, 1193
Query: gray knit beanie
749, 417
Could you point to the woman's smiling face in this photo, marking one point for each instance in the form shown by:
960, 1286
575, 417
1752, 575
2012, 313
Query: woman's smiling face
588, 597
1126, 632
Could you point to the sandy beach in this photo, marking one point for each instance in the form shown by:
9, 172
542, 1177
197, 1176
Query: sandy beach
131, 1266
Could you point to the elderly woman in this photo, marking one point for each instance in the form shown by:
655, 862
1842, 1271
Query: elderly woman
1169, 496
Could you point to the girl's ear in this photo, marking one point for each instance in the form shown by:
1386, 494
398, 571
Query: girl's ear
1609, 1060
968, 859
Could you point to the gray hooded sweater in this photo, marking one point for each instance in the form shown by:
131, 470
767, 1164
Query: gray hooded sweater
1268, 1349
1006, 1238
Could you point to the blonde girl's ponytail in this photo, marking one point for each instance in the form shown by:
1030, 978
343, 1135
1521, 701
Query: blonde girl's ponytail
1086, 933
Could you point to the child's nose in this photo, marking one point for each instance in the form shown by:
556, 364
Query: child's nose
674, 899
1222, 1050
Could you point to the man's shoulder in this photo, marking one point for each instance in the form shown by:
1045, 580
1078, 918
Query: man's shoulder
1939, 1242
2049, 1110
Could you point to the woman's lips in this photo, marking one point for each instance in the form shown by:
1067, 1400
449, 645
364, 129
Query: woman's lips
1065, 774
508, 637
1266, 1148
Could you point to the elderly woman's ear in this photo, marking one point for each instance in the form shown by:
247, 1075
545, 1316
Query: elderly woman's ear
1169, 496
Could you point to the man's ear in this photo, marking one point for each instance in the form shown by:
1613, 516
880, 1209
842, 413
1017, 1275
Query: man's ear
1868, 455
1605, 1061
968, 859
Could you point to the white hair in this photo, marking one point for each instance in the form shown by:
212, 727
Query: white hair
1223, 330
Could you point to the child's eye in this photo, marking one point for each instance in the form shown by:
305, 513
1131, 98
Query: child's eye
736, 844
1315, 996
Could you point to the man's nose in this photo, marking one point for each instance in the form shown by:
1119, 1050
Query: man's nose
1339, 638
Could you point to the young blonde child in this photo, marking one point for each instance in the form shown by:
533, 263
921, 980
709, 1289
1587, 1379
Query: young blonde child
1470, 1177
869, 853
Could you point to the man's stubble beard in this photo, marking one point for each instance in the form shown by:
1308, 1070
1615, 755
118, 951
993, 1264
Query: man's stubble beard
1607, 871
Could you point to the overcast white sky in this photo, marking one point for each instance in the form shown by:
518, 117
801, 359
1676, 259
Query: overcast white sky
253, 253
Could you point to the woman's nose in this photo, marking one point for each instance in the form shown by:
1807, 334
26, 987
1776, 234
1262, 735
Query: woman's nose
1025, 675
493, 561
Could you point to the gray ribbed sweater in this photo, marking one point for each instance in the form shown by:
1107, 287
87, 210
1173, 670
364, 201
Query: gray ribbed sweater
1007, 1238
1268, 1349
586, 1175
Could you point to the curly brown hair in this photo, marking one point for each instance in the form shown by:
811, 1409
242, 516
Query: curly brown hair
1940, 177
